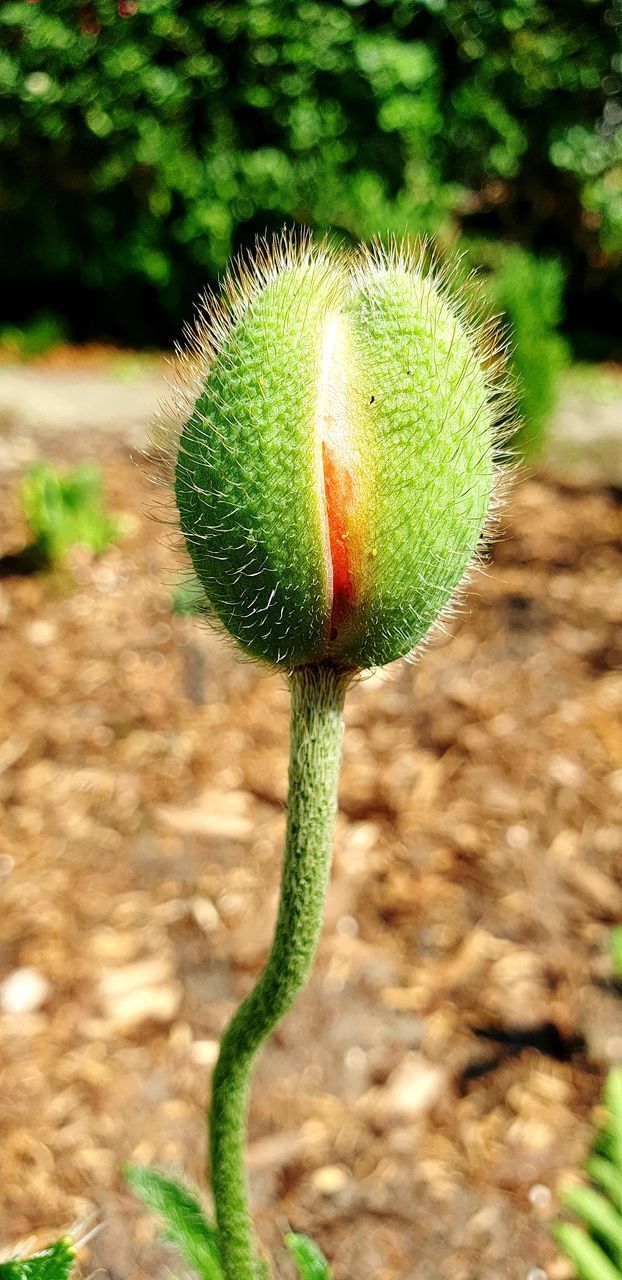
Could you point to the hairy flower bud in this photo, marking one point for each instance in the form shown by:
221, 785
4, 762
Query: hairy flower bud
335, 467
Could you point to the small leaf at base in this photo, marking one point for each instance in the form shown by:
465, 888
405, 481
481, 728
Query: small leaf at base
616, 949
186, 1224
590, 1261
609, 1178
53, 1263
309, 1259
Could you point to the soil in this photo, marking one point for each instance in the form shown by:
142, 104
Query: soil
421, 1107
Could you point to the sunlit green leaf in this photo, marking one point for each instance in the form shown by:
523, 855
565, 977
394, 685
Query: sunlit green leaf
309, 1259
616, 949
186, 1223
588, 1257
53, 1263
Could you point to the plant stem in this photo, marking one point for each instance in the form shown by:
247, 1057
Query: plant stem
318, 693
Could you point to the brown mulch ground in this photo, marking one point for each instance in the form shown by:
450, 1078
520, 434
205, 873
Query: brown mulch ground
419, 1109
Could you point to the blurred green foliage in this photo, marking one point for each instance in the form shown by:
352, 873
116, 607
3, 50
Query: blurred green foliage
188, 597
64, 510
527, 292
142, 141
595, 1248
53, 1263
310, 1261
616, 950
186, 1224
43, 331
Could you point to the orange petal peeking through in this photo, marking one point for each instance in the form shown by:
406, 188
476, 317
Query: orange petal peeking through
340, 469
339, 487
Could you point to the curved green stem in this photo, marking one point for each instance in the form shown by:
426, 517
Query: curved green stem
315, 751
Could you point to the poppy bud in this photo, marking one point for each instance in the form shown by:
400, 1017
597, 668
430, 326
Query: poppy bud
336, 468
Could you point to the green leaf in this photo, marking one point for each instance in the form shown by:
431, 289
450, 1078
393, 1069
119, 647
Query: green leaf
186, 1224
616, 949
587, 1256
612, 1098
53, 1263
188, 597
603, 1144
609, 1178
597, 1213
310, 1260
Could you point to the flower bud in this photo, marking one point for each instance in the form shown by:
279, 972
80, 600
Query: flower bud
335, 471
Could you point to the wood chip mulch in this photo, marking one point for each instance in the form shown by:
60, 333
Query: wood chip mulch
419, 1110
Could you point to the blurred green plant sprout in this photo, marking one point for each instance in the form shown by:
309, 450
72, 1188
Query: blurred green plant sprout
53, 1263
64, 510
25, 342
616, 950
595, 1248
188, 597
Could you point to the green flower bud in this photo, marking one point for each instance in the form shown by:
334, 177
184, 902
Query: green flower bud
335, 470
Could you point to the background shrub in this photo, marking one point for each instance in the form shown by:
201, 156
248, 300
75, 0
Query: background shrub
527, 292
141, 141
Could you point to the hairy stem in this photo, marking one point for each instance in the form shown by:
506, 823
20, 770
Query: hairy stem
318, 693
